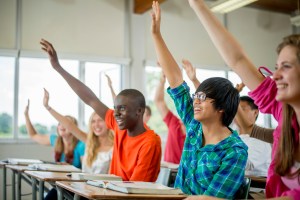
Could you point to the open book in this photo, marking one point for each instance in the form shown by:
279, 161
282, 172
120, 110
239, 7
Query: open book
54, 168
102, 177
136, 187
22, 161
169, 165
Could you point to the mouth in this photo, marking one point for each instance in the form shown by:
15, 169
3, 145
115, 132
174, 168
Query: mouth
120, 122
281, 86
197, 110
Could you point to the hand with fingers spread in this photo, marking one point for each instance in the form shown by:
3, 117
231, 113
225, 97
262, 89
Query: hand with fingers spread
49, 49
190, 72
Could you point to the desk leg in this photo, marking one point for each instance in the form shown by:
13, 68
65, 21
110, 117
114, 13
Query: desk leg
19, 185
4, 183
33, 185
13, 185
41, 190
60, 193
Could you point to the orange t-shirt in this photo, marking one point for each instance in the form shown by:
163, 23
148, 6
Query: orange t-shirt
134, 158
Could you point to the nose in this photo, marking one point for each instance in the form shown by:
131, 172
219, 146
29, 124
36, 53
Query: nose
277, 74
196, 101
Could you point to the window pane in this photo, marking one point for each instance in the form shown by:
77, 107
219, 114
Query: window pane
36, 74
96, 80
7, 96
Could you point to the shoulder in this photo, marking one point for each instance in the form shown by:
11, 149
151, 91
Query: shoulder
80, 145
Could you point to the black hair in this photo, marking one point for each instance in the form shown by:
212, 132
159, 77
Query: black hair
136, 95
225, 97
249, 101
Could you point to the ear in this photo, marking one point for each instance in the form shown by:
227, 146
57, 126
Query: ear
140, 111
256, 112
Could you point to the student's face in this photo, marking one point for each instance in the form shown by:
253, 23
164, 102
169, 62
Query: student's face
251, 114
98, 126
204, 111
126, 112
287, 76
62, 131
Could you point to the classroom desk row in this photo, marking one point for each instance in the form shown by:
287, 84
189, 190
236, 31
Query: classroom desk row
66, 185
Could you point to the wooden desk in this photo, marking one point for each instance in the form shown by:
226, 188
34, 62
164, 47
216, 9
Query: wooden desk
2, 165
44, 176
257, 182
92, 192
17, 171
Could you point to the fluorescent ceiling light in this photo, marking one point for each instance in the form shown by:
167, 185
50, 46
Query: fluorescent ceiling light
225, 6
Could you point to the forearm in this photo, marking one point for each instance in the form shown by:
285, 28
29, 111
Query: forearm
113, 94
30, 129
85, 93
196, 83
167, 62
68, 124
228, 47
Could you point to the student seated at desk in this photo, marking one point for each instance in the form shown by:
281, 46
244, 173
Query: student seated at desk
214, 157
67, 147
137, 150
99, 140
259, 152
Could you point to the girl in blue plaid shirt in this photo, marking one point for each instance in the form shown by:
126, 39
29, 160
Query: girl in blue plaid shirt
214, 157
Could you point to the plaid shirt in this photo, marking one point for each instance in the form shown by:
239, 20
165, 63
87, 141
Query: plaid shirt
214, 170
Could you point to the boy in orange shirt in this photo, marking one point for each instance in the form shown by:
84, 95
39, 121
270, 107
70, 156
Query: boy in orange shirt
137, 150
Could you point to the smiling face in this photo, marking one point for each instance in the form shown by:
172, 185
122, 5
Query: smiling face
98, 125
127, 112
204, 111
287, 76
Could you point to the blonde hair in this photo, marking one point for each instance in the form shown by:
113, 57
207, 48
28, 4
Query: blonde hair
92, 143
59, 146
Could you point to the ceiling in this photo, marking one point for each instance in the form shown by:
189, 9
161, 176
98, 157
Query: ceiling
280, 6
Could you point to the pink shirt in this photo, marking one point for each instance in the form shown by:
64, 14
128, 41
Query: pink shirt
175, 139
264, 97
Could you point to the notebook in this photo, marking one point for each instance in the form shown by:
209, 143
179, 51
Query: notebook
136, 187
22, 161
54, 168
87, 176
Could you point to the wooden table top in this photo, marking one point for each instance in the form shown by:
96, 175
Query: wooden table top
92, 192
50, 176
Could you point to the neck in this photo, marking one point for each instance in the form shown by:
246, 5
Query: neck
245, 130
214, 133
104, 140
137, 130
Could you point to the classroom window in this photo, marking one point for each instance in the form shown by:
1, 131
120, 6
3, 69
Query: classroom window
7, 65
36, 74
96, 80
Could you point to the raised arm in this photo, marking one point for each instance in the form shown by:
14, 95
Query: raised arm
159, 98
85, 93
232, 53
37, 137
190, 72
68, 124
109, 82
164, 57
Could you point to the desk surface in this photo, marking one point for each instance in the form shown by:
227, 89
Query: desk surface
92, 192
257, 179
19, 168
50, 176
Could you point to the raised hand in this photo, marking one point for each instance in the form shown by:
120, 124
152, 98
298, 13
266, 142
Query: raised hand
189, 69
240, 86
49, 49
155, 18
109, 82
27, 108
46, 99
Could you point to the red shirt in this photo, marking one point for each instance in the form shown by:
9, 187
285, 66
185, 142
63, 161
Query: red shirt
175, 140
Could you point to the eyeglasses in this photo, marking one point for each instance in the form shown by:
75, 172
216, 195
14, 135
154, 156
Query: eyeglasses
199, 95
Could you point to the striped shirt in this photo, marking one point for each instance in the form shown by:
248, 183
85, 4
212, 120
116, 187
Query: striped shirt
214, 170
